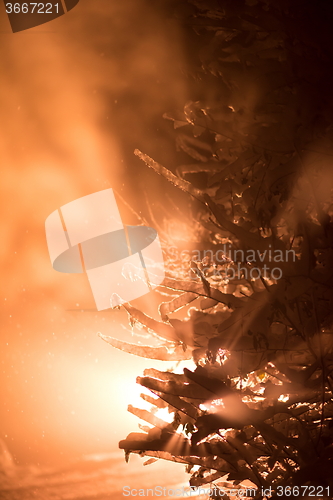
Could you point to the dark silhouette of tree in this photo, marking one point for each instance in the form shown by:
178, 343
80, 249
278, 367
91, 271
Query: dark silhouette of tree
258, 138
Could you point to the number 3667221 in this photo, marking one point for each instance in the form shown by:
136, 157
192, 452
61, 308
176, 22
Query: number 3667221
30, 8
